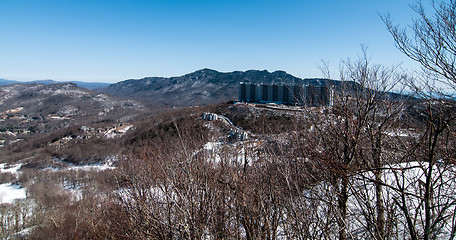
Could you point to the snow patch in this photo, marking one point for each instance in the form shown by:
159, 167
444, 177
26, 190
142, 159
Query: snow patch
14, 169
10, 192
117, 131
212, 145
213, 150
97, 167
400, 133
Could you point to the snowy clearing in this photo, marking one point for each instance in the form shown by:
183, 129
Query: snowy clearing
10, 192
95, 167
14, 169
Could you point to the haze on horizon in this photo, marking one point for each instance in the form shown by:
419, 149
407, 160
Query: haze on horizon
110, 41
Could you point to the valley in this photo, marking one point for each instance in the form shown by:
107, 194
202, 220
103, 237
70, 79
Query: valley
77, 163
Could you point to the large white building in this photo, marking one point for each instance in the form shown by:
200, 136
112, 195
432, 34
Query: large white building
308, 95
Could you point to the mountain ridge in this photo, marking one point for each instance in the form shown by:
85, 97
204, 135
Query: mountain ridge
202, 87
88, 85
41, 106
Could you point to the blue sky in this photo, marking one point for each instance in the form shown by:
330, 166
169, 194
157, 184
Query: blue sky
114, 40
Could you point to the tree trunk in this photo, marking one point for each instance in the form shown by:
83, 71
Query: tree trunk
378, 172
343, 199
380, 222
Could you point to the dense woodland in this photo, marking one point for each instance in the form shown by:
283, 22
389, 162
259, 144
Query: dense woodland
371, 166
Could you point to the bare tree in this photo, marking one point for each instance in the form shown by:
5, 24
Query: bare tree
383, 109
431, 40
350, 140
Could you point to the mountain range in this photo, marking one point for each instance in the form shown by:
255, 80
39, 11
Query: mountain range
201, 87
88, 85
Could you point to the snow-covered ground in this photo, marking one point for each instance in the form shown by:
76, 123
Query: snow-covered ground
8, 191
410, 177
401, 133
93, 167
213, 149
117, 131
11, 169
215, 152
108, 164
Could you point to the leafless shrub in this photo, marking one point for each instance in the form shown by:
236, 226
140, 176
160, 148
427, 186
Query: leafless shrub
6, 177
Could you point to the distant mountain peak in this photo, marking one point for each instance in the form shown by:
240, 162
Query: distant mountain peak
279, 72
202, 72
207, 70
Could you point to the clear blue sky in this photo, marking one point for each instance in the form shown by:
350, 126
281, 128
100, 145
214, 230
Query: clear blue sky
114, 40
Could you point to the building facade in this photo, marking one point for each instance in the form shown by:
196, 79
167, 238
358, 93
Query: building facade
308, 95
